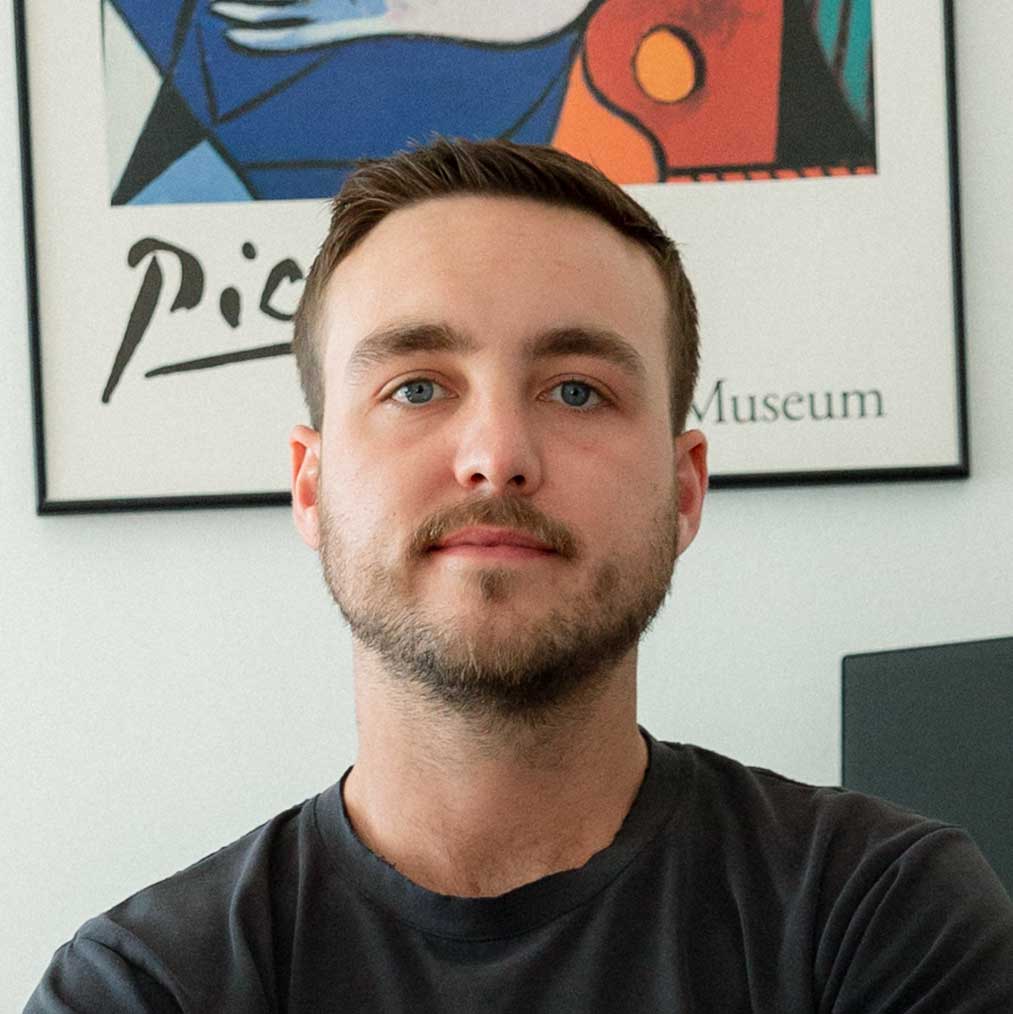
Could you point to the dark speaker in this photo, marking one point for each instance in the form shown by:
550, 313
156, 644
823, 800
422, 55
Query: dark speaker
932, 729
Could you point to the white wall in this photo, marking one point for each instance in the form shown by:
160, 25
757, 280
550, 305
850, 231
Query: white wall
170, 680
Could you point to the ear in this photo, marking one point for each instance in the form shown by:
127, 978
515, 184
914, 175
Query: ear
691, 471
305, 445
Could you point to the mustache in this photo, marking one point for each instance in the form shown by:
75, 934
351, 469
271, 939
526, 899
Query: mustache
502, 512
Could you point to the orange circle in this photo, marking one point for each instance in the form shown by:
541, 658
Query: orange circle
665, 66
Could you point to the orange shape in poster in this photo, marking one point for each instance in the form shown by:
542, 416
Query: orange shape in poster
589, 131
665, 66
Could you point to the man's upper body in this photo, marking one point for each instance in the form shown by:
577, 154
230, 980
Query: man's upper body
728, 888
498, 348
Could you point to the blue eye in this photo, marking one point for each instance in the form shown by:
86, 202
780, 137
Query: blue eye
418, 391
577, 394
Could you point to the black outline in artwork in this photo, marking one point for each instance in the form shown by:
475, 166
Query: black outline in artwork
183, 21
205, 74
841, 42
46, 506
870, 95
309, 163
276, 89
801, 169
563, 75
699, 61
660, 165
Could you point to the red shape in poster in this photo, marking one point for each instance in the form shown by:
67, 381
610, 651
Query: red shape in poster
701, 77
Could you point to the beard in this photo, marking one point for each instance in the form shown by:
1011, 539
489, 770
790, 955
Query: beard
541, 663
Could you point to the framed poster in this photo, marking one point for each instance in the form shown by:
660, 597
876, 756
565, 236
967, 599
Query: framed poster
178, 158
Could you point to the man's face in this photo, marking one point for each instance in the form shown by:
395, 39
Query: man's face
468, 385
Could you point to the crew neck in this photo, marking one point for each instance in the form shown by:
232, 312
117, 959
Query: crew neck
523, 908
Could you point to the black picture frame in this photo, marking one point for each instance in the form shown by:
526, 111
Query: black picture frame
951, 462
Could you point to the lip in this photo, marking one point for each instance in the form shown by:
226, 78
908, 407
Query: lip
494, 539
500, 552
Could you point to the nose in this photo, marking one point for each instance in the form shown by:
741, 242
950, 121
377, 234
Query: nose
497, 449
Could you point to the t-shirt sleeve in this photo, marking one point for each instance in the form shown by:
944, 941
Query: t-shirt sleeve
104, 968
932, 932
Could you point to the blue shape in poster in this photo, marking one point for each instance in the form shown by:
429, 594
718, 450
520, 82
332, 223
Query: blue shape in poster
290, 124
846, 26
200, 176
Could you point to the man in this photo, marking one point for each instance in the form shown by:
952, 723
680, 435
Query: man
498, 349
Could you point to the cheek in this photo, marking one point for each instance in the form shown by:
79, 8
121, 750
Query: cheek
611, 493
380, 497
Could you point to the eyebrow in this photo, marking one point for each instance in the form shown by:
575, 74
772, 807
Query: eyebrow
395, 340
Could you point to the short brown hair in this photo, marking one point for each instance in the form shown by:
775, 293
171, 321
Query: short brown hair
494, 168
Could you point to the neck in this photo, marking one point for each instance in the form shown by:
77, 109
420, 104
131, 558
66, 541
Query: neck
476, 808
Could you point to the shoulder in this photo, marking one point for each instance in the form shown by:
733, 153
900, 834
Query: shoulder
208, 927
822, 850
831, 838
252, 863
753, 803
890, 902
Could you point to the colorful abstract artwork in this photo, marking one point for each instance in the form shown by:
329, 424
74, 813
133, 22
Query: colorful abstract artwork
236, 100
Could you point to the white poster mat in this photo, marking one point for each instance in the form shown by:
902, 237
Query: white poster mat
827, 306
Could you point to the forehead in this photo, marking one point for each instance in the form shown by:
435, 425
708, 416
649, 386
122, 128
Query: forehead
499, 268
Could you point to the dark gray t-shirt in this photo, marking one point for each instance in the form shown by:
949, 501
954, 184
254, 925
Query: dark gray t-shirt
728, 888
